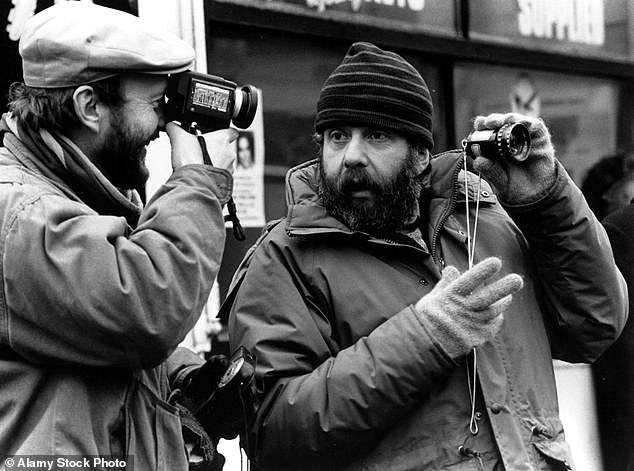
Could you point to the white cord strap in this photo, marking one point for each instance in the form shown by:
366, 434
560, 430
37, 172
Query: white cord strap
472, 379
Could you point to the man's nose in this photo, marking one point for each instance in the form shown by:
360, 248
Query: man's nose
355, 153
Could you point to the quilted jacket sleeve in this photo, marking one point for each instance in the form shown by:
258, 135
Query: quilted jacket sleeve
586, 292
81, 288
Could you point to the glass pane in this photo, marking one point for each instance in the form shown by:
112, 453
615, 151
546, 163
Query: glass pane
580, 112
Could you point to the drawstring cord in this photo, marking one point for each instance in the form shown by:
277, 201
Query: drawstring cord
472, 379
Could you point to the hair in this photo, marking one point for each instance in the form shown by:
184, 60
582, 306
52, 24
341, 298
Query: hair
52, 108
601, 176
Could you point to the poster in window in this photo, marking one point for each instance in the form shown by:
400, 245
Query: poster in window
248, 178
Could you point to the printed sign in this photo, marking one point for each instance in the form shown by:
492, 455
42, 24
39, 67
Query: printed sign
437, 15
248, 178
580, 21
525, 97
592, 26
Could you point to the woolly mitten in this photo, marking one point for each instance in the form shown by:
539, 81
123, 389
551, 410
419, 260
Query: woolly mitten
519, 182
462, 312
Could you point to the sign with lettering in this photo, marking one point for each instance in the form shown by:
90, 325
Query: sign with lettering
595, 26
248, 178
579, 21
436, 15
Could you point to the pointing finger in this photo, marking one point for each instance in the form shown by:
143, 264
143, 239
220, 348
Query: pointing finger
490, 294
478, 274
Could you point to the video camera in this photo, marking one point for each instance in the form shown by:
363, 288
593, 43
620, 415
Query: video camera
210, 102
205, 103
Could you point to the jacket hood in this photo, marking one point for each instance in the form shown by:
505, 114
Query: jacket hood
307, 215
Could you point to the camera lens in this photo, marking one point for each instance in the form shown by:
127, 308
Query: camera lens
246, 104
517, 141
510, 142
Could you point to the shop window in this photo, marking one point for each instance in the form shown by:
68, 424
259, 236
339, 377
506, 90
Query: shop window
581, 112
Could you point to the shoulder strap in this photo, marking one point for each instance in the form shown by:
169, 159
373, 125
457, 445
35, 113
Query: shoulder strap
241, 271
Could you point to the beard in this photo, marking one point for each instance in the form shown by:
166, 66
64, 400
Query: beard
394, 199
122, 157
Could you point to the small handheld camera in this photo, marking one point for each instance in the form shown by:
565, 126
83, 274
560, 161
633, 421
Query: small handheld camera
240, 371
209, 101
223, 403
511, 142
234, 401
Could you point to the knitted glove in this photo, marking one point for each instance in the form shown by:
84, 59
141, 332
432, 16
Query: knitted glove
519, 182
462, 312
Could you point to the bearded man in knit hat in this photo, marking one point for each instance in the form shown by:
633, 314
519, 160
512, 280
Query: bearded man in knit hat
97, 290
387, 335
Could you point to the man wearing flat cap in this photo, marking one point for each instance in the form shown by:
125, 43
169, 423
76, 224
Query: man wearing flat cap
97, 290
404, 316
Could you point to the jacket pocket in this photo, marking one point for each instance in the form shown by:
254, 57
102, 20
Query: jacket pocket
153, 432
548, 440
555, 453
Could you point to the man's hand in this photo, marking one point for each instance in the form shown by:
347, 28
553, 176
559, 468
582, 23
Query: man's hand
202, 384
186, 148
222, 409
462, 312
519, 182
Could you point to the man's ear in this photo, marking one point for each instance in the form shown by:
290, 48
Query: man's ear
87, 107
422, 163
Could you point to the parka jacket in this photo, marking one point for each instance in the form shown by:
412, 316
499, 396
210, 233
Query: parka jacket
350, 377
90, 309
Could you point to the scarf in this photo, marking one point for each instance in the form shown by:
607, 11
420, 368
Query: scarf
59, 159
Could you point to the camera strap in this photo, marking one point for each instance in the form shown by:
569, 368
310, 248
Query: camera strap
472, 376
238, 231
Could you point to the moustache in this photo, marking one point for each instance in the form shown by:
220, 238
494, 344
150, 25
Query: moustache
355, 180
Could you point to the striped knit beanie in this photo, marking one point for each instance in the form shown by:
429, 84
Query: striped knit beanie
378, 88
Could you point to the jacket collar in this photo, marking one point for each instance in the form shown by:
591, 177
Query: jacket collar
59, 160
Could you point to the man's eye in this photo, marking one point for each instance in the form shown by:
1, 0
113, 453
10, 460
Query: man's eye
336, 135
379, 135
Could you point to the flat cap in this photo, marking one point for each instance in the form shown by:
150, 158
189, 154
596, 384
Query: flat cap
74, 43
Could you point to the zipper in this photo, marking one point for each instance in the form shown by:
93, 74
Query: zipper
439, 261
366, 237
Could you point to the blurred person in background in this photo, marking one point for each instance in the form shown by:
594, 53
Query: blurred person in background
609, 186
614, 371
